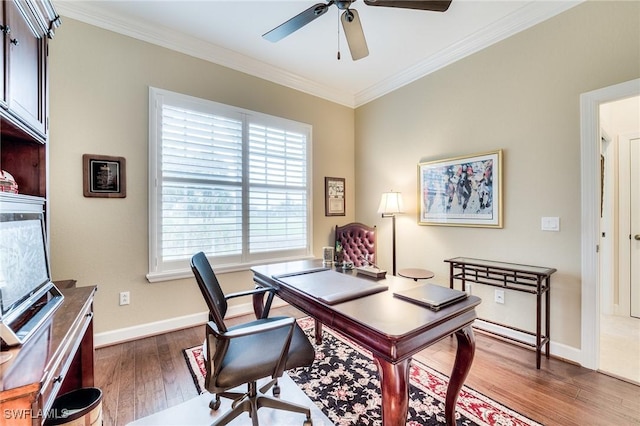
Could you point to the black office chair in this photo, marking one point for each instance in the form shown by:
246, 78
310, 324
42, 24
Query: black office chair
248, 352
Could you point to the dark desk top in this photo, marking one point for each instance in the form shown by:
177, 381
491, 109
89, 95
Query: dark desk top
380, 321
47, 346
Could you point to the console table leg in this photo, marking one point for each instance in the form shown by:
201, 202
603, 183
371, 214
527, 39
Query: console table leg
538, 325
547, 319
394, 384
462, 365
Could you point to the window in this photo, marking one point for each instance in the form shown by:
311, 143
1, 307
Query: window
226, 181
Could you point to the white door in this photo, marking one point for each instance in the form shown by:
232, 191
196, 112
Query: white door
634, 149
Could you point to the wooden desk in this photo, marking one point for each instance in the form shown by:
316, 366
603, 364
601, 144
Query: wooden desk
524, 278
392, 329
55, 360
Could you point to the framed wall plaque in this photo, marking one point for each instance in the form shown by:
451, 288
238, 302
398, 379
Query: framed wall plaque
104, 176
334, 196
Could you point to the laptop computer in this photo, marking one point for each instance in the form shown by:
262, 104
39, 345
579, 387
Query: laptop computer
432, 296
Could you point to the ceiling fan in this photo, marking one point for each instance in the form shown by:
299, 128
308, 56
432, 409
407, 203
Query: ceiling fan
350, 20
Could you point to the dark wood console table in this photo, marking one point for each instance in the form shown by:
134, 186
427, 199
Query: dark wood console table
524, 278
56, 360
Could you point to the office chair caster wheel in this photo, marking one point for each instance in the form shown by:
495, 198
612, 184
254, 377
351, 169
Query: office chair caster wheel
276, 391
214, 404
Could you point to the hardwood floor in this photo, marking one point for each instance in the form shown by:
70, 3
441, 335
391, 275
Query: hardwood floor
142, 377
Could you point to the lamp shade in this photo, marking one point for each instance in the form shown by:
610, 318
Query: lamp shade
391, 203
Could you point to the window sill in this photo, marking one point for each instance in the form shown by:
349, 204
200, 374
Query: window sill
179, 274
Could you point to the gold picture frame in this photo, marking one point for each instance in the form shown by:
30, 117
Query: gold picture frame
334, 191
461, 191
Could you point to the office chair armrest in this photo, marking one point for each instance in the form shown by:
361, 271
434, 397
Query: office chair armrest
258, 290
252, 329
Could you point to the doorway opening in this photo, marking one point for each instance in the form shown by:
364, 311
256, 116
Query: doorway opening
619, 337
591, 207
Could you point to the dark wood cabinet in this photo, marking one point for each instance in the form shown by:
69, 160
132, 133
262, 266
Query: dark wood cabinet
26, 27
26, 69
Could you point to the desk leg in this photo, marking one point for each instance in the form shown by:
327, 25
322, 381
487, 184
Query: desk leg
258, 304
462, 365
317, 330
394, 383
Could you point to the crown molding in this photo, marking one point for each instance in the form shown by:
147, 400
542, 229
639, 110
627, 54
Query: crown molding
525, 17
165, 37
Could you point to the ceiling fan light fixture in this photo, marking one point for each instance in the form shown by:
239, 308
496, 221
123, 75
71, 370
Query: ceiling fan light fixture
354, 34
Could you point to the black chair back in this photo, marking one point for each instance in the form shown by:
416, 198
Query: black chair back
210, 288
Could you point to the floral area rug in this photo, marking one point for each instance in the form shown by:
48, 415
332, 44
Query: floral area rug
343, 382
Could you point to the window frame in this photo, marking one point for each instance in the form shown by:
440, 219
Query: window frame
159, 271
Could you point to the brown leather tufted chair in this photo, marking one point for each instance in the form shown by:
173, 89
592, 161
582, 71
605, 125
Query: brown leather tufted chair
358, 243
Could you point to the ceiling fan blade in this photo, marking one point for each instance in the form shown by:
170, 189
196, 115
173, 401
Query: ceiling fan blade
297, 22
354, 34
433, 5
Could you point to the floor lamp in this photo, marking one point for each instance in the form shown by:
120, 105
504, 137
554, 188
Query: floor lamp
390, 205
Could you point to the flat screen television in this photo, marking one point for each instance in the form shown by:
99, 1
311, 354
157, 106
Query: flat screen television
28, 297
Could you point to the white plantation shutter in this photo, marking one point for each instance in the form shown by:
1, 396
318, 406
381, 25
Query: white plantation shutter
229, 182
278, 189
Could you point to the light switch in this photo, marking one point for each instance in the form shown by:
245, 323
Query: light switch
551, 224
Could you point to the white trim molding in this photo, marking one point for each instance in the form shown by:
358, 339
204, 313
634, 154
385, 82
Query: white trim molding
557, 350
590, 204
121, 335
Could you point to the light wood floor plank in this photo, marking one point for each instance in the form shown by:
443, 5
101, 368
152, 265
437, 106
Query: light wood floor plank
126, 386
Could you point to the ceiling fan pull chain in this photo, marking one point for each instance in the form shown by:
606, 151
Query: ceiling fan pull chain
338, 35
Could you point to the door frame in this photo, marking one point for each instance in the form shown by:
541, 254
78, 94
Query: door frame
590, 205
627, 139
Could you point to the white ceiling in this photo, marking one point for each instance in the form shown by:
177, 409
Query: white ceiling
404, 45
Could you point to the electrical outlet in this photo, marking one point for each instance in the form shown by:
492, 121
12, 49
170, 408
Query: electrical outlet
499, 296
124, 298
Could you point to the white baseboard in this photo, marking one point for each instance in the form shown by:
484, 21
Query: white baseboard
556, 349
151, 329
121, 335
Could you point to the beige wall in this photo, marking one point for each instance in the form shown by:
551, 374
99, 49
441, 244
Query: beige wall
520, 95
99, 105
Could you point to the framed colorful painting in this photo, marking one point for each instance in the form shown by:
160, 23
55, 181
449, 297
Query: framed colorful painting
461, 191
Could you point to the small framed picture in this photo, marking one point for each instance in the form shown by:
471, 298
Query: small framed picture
104, 176
461, 191
334, 196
